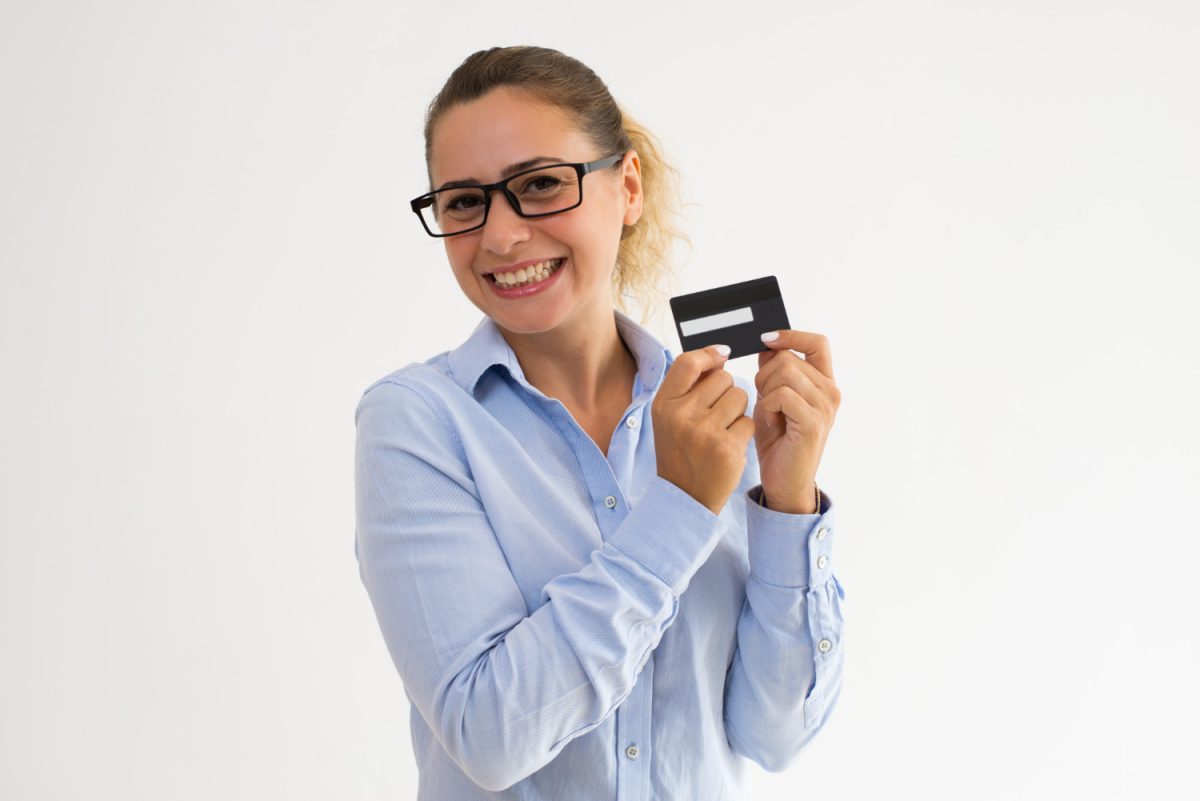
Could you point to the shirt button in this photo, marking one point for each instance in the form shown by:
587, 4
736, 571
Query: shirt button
631, 752
821, 532
610, 502
822, 561
631, 422
824, 645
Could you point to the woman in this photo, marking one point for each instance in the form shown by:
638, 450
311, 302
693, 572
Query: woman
561, 527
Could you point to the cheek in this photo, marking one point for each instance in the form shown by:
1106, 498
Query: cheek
593, 239
460, 262
464, 278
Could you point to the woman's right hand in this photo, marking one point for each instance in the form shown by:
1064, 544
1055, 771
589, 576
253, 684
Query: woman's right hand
701, 431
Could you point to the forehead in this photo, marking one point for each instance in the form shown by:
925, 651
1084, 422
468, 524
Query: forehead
480, 138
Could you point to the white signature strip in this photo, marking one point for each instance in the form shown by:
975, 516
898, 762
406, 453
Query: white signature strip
715, 321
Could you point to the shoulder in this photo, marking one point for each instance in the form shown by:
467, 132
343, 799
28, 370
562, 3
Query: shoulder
418, 393
405, 423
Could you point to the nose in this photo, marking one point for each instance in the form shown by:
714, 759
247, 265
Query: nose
504, 227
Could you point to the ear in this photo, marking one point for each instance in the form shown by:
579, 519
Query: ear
632, 183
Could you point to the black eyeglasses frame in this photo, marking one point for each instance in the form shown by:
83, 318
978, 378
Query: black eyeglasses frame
581, 169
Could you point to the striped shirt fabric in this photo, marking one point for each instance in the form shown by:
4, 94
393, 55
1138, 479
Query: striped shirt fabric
570, 625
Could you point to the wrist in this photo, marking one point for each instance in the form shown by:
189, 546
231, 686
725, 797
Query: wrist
807, 503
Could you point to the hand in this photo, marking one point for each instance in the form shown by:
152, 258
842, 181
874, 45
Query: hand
798, 400
700, 427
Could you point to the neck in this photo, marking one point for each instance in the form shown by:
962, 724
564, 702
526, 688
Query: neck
585, 367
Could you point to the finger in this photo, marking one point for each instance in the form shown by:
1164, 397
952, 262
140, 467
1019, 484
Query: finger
730, 406
791, 371
815, 347
687, 368
711, 386
743, 427
786, 360
798, 412
765, 357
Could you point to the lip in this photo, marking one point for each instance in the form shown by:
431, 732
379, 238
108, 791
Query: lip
532, 289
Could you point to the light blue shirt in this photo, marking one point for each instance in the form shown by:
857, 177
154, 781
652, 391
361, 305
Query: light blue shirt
573, 626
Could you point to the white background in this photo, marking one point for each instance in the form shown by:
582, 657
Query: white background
989, 208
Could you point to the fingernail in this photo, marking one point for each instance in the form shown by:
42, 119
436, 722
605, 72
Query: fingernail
770, 336
722, 349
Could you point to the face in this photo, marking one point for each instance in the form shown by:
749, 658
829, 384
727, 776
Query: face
477, 140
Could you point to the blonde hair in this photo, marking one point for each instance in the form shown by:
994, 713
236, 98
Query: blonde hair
644, 270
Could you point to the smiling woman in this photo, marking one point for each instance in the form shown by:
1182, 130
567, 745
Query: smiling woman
566, 88
597, 575
494, 134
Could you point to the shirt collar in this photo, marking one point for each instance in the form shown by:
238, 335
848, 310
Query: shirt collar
486, 347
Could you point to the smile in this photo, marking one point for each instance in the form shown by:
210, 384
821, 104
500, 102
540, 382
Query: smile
527, 275
535, 279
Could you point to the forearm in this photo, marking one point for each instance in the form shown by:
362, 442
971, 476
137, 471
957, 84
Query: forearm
787, 669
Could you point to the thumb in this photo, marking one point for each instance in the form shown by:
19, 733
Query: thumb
689, 367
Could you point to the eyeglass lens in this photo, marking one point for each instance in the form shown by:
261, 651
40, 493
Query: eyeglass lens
545, 191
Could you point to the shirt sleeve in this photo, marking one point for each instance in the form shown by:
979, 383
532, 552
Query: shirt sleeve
786, 673
503, 689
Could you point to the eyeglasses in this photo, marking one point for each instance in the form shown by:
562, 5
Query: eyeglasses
539, 192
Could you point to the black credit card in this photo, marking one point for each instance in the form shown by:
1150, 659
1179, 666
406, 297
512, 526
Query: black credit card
735, 315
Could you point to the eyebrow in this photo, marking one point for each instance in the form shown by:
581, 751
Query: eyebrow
507, 171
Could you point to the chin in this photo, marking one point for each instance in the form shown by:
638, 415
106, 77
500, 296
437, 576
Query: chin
526, 323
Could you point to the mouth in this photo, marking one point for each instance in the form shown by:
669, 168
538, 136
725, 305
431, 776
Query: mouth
526, 276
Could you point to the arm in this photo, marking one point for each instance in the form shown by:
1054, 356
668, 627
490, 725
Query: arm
504, 690
781, 686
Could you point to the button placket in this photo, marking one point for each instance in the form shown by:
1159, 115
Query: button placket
824, 645
822, 560
633, 737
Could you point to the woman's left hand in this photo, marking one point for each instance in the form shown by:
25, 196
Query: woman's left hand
797, 401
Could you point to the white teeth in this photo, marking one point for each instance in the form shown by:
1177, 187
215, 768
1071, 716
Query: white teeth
526, 275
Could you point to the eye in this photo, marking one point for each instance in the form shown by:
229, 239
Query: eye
541, 183
462, 202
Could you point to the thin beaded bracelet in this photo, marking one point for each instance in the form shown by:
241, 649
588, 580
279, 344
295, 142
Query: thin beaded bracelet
762, 497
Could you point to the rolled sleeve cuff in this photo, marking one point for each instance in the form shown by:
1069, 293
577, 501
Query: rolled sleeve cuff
669, 532
789, 550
